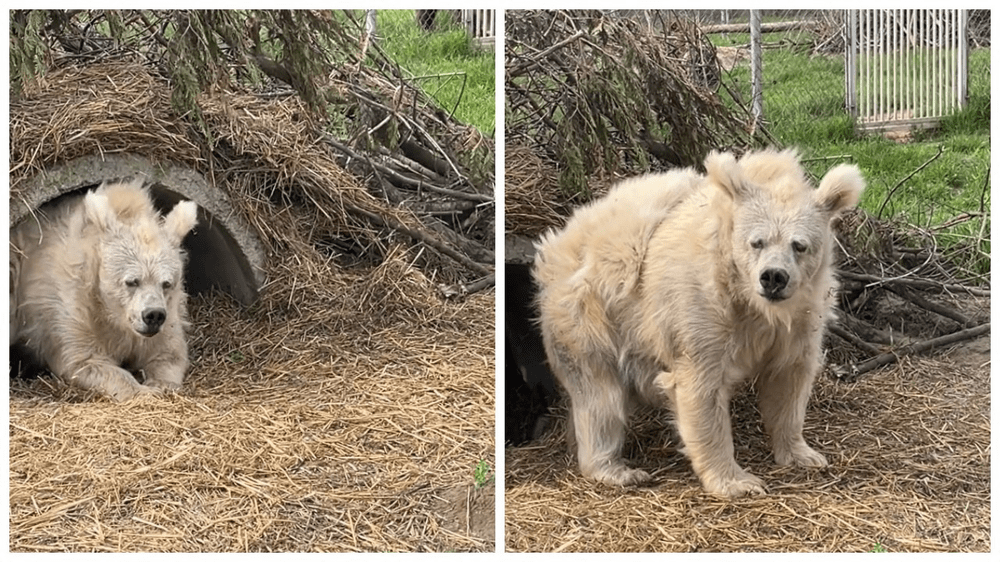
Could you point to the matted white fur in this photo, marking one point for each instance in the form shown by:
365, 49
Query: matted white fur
676, 287
97, 283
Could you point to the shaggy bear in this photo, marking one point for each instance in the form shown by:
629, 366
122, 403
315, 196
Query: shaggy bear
97, 285
676, 287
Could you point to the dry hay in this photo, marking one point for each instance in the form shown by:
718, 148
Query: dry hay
299, 429
343, 411
533, 201
909, 451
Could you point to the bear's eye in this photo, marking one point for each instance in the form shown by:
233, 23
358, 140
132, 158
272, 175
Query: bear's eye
167, 285
757, 244
132, 283
799, 247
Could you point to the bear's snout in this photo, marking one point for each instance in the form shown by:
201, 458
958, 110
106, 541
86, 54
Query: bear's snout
153, 319
773, 281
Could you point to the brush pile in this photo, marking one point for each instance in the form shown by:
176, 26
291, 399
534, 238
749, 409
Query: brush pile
602, 94
365, 155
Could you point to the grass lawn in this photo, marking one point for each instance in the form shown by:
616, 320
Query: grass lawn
446, 63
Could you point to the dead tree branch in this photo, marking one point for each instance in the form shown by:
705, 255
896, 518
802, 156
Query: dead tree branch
895, 355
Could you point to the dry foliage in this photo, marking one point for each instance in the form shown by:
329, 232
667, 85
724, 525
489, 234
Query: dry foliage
601, 94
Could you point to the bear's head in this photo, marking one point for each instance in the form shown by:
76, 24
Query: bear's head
781, 236
141, 259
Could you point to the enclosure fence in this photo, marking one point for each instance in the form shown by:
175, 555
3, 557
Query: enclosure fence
905, 68
481, 24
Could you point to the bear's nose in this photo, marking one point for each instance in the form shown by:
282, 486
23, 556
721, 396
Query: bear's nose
773, 281
154, 318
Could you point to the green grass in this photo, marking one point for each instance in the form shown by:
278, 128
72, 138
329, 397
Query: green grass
804, 106
446, 63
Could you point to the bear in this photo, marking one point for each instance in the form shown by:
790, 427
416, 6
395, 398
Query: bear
97, 288
676, 287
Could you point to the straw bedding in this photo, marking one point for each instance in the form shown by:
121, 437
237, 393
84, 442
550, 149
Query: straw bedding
307, 432
344, 411
909, 451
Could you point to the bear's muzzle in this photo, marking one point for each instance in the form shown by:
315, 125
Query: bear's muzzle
152, 319
772, 283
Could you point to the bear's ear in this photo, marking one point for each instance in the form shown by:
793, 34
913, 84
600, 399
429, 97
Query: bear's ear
840, 189
181, 219
723, 170
98, 211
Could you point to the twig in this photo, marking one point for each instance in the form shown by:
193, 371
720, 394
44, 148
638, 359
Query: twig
915, 283
904, 180
420, 237
985, 190
955, 221
394, 175
825, 158
536, 59
934, 307
465, 78
854, 340
463, 289
895, 355
866, 331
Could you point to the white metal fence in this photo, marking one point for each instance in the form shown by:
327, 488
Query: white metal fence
480, 23
905, 68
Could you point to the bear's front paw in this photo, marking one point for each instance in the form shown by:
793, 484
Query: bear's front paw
163, 385
800, 455
123, 393
742, 484
621, 475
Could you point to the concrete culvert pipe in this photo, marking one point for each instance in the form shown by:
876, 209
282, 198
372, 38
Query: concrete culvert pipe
223, 252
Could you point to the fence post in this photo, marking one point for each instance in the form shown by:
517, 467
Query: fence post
756, 66
851, 63
370, 26
963, 58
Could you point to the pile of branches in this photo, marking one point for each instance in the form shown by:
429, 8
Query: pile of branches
902, 294
599, 94
291, 112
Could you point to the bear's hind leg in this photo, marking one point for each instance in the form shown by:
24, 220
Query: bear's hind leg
599, 413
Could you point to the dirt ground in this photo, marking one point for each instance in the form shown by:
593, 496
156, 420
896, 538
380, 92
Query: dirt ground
289, 435
909, 452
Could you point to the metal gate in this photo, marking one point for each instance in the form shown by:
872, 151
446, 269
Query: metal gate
481, 25
905, 68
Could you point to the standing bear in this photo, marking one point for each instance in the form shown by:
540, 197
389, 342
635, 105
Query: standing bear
676, 287
97, 285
